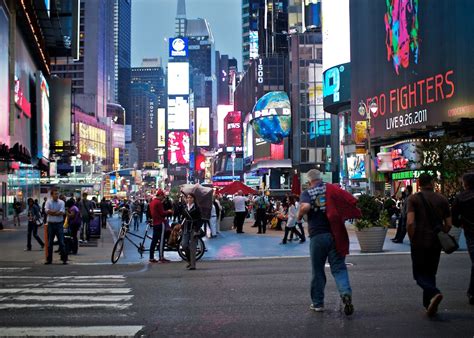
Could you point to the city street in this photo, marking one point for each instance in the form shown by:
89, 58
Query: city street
266, 297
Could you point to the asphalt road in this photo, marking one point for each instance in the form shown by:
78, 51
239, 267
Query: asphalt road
245, 298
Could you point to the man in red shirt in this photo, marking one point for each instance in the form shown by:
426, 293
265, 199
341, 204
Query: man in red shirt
158, 214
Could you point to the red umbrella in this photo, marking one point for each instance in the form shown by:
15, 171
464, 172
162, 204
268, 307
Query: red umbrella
296, 185
235, 186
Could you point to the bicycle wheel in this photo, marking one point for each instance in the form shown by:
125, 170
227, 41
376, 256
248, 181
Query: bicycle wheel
200, 249
117, 251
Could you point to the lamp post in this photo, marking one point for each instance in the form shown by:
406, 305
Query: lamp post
232, 156
367, 112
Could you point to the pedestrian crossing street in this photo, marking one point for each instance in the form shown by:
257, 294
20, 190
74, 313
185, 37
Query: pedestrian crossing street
105, 292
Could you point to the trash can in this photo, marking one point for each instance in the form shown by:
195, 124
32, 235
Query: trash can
94, 226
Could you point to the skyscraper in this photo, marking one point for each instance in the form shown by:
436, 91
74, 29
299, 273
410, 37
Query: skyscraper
92, 74
180, 21
122, 48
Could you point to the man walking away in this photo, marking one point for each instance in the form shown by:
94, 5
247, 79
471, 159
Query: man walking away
240, 211
104, 211
86, 208
158, 214
55, 209
327, 207
16, 212
261, 205
463, 215
33, 215
428, 213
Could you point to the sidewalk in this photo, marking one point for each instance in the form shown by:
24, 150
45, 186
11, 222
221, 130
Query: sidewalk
13, 244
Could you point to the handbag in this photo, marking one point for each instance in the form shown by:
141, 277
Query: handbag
39, 222
448, 242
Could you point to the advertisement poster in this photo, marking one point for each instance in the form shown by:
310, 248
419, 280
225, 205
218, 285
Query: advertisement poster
178, 113
161, 127
178, 147
43, 116
356, 166
420, 67
202, 127
4, 90
233, 127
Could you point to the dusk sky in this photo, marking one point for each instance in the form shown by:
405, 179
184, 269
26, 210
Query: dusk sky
153, 22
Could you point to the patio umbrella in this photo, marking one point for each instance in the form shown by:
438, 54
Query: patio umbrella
203, 198
234, 188
296, 185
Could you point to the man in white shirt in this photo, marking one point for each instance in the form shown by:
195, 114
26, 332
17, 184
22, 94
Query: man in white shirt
240, 211
55, 210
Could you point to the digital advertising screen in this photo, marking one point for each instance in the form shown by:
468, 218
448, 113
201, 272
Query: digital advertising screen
222, 111
43, 116
178, 147
161, 116
253, 37
202, 124
178, 113
420, 68
178, 78
356, 166
178, 47
233, 128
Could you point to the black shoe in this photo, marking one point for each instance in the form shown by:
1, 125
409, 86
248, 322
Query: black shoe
348, 307
397, 241
259, 232
64, 262
47, 263
471, 298
302, 241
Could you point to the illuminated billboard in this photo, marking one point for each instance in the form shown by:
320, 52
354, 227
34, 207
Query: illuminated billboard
178, 147
419, 70
4, 82
178, 47
178, 78
161, 127
42, 95
253, 37
271, 117
92, 139
222, 111
178, 113
233, 129
202, 124
356, 166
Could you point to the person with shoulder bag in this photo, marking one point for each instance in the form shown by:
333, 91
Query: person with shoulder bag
191, 229
463, 216
34, 219
428, 215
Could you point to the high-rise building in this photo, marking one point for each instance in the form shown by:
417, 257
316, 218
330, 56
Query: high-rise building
264, 29
180, 21
147, 94
92, 74
122, 48
226, 72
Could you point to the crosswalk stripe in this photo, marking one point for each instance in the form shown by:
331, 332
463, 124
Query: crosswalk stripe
65, 298
117, 306
38, 284
58, 331
67, 277
65, 291
14, 269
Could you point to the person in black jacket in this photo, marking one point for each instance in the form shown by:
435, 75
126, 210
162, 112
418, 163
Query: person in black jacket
192, 224
463, 215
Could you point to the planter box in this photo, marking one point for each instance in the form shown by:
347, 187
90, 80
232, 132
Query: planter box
227, 223
371, 239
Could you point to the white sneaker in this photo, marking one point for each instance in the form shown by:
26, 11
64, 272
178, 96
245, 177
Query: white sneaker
314, 308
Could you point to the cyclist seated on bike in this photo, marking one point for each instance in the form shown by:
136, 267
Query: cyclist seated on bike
192, 225
158, 214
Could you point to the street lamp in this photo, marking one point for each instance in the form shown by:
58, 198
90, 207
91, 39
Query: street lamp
367, 112
232, 156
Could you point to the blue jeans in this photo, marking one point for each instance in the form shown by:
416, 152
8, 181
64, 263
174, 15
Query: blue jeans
136, 223
322, 247
56, 229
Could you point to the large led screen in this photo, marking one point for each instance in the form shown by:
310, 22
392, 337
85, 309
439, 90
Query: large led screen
161, 127
4, 89
202, 127
233, 129
415, 60
222, 111
271, 117
178, 147
336, 33
178, 78
178, 113
42, 93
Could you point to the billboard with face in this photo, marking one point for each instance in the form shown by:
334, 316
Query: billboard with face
178, 147
412, 58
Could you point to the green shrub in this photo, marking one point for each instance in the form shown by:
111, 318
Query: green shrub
372, 213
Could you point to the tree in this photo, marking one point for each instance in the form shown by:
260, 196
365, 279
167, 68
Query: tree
448, 159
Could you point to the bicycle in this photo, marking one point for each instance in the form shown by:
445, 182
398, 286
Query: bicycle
125, 232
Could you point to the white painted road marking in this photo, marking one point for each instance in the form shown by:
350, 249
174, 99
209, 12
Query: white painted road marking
121, 331
65, 298
80, 291
115, 306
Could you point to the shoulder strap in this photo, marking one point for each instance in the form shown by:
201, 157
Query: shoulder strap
430, 210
